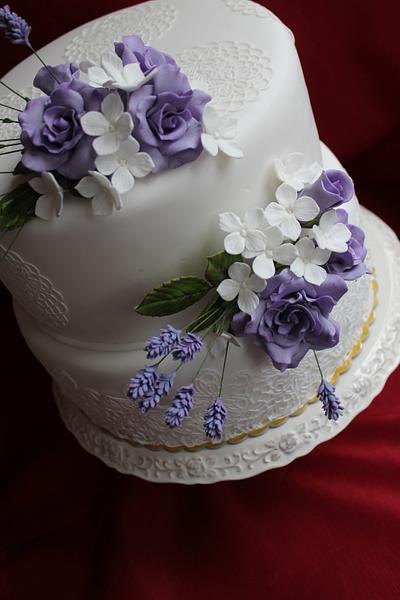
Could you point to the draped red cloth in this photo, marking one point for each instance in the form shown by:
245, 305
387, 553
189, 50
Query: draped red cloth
326, 526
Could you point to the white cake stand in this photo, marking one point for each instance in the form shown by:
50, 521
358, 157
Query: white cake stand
299, 435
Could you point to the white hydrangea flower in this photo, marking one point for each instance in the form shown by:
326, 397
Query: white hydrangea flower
110, 127
309, 261
113, 74
243, 284
125, 164
330, 234
220, 132
289, 211
50, 202
104, 196
292, 170
275, 250
245, 237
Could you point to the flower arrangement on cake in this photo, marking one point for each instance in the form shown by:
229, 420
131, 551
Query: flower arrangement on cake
282, 268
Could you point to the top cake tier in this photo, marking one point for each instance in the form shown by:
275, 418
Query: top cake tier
100, 267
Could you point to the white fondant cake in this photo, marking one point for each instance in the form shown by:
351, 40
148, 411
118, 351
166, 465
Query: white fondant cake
76, 279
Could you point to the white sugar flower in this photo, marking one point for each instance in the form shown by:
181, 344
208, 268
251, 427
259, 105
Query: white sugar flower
219, 134
115, 75
110, 127
50, 202
125, 164
309, 261
245, 237
104, 196
275, 250
330, 234
292, 170
242, 283
290, 211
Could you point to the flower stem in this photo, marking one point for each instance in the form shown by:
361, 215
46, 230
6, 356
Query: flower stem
10, 152
15, 92
6, 173
223, 368
318, 365
203, 362
10, 107
7, 120
44, 64
9, 145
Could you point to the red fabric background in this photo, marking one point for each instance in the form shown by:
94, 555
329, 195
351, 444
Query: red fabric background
328, 525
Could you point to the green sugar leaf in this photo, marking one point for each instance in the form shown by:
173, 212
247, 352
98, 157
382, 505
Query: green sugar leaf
173, 296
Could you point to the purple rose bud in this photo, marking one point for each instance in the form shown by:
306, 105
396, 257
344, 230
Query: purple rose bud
14, 27
181, 406
62, 74
332, 189
214, 419
330, 402
133, 50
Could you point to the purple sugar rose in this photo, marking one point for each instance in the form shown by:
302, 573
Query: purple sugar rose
167, 113
349, 265
132, 50
62, 73
52, 135
331, 189
293, 317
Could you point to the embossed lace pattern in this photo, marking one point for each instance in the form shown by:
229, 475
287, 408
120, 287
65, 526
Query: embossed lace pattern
249, 8
258, 454
150, 21
252, 397
234, 73
13, 130
33, 291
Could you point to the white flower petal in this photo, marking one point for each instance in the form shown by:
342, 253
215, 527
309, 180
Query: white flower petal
44, 208
256, 283
97, 76
107, 164
255, 241
294, 162
321, 257
102, 204
95, 124
112, 107
231, 149
38, 184
263, 266
88, 187
234, 243
275, 213
274, 238
210, 144
305, 247
112, 65
227, 127
229, 222
140, 164
248, 301
106, 144
210, 119
297, 267
124, 126
328, 220
291, 228
123, 180
228, 289
128, 148
255, 219
314, 274
286, 196
239, 271
133, 77
285, 254
306, 209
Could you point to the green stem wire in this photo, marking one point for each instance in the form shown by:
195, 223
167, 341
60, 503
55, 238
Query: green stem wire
14, 91
318, 365
10, 107
44, 64
223, 369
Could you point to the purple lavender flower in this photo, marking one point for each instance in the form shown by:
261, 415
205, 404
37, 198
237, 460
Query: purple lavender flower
14, 27
165, 383
331, 404
187, 347
161, 345
332, 189
181, 406
293, 316
151, 400
214, 419
143, 383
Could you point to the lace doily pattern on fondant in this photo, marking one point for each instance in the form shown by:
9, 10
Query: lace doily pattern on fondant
249, 8
33, 291
13, 130
150, 20
234, 73
253, 397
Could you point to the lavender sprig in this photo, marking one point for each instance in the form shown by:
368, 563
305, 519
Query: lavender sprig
14, 28
162, 344
214, 419
143, 383
187, 347
181, 406
331, 404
